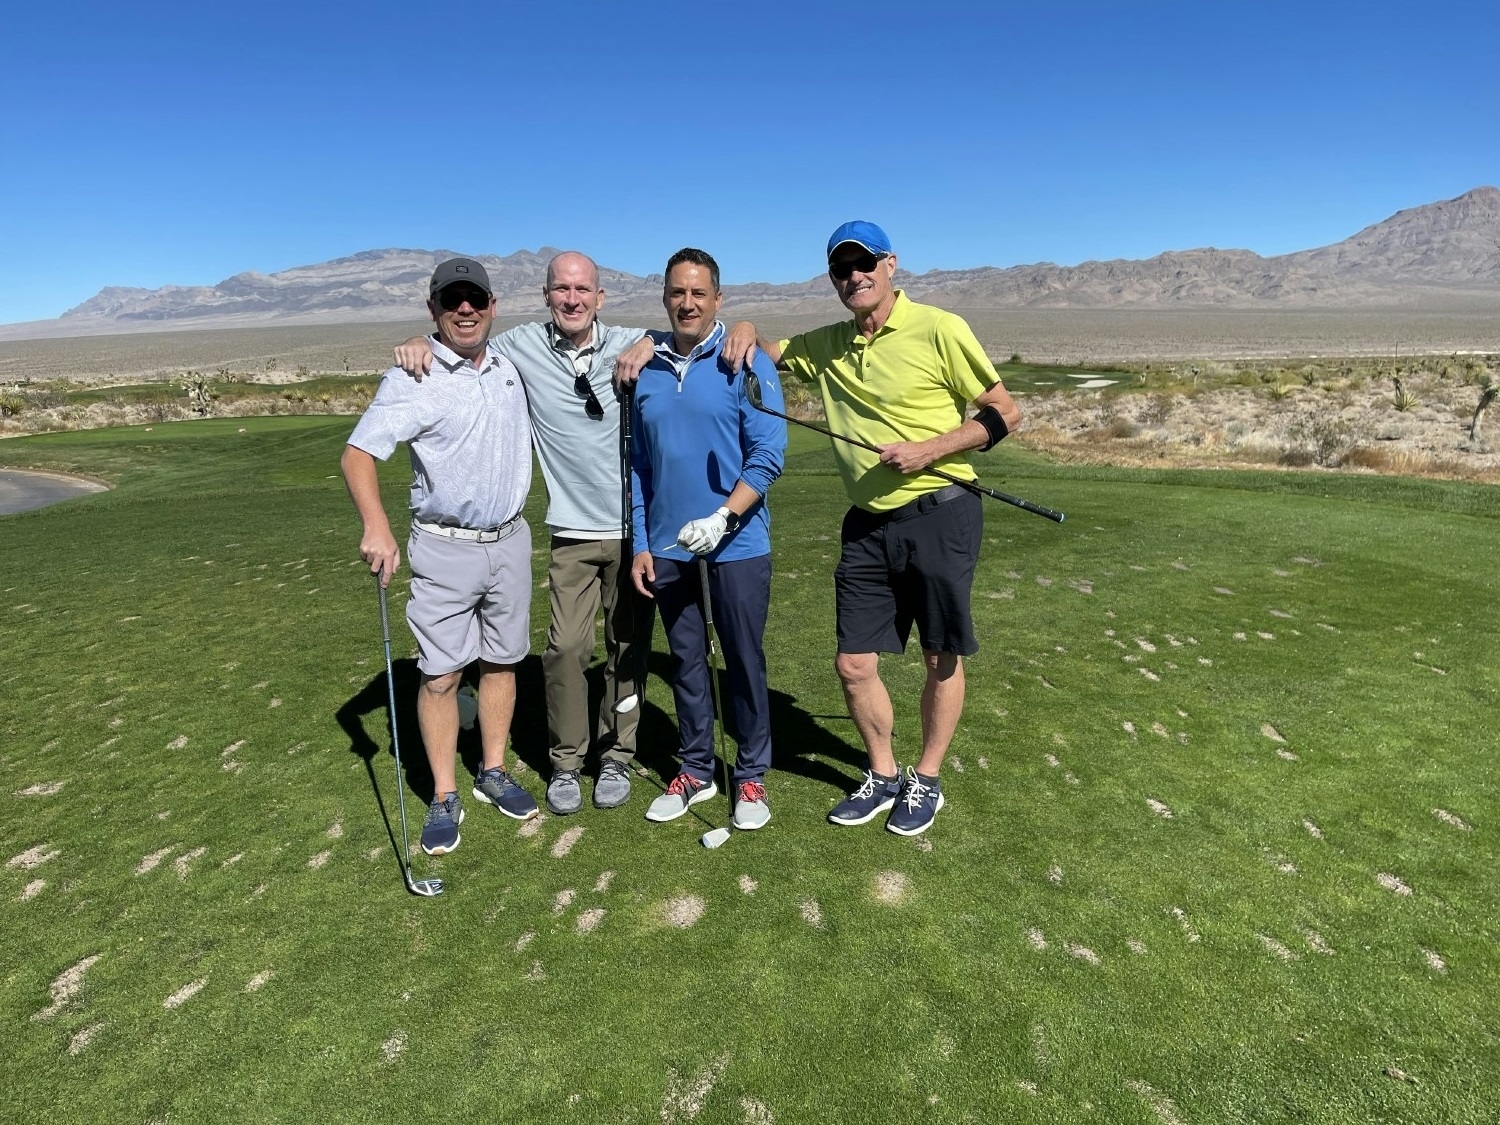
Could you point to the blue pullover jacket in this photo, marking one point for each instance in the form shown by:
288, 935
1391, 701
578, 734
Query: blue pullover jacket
695, 435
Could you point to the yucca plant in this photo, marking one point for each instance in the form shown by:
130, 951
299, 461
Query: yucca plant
1404, 399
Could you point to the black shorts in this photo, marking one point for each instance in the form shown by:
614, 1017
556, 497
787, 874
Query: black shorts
914, 564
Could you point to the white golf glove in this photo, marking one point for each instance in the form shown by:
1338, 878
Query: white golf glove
702, 536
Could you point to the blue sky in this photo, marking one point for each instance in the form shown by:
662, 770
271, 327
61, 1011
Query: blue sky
157, 143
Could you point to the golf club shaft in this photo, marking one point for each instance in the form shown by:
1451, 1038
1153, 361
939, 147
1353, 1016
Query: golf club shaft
713, 680
390, 686
627, 525
972, 486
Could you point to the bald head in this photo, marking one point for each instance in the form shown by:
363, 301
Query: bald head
573, 295
573, 264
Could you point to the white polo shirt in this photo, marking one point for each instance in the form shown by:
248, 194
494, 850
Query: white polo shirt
469, 435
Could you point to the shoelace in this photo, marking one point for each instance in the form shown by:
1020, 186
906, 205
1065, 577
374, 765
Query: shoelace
500, 778
866, 788
612, 767
752, 791
684, 785
916, 792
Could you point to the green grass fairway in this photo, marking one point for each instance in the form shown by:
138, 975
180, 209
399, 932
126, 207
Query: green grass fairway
1220, 841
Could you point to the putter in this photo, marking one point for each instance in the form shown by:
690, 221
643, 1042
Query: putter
752, 392
633, 700
427, 888
716, 837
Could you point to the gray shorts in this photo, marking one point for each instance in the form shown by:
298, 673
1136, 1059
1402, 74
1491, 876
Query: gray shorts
469, 601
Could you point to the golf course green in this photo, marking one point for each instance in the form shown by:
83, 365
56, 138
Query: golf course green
1219, 842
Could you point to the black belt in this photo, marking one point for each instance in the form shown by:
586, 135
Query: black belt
925, 503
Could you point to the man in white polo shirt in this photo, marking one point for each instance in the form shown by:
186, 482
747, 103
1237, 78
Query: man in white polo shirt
470, 550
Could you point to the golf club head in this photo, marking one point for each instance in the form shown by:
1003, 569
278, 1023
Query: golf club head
628, 704
426, 888
752, 388
717, 838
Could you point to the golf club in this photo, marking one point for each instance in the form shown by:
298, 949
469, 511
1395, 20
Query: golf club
752, 392
638, 650
427, 888
718, 836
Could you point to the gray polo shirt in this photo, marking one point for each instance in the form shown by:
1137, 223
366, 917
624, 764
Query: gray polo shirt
468, 433
579, 455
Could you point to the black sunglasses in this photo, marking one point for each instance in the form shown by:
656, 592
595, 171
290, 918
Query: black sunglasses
454, 296
844, 268
591, 405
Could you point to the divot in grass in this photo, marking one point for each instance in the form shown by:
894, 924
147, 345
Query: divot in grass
317, 861
601, 884
1392, 884
84, 1038
183, 864
1312, 829
178, 743
682, 912
1271, 732
1036, 939
31, 890
536, 974
1434, 960
259, 980
811, 912
393, 1048
1158, 808
1185, 924
1084, 953
1316, 943
184, 994
1161, 1105
1136, 946
753, 1111
683, 1101
32, 857
748, 885
1055, 875
890, 888
524, 940
41, 789
336, 830
1451, 820
66, 987
589, 920
564, 843
1286, 755
531, 827
1275, 948
562, 900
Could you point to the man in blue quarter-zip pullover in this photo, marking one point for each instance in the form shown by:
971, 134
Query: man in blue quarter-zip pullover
701, 463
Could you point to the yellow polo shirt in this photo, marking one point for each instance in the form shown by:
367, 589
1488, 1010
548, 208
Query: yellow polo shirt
912, 382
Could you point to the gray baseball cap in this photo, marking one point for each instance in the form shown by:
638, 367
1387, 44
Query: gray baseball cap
456, 270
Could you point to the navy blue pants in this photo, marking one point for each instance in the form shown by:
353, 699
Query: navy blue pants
741, 594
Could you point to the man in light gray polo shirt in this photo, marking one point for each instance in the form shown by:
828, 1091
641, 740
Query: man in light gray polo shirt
470, 549
567, 364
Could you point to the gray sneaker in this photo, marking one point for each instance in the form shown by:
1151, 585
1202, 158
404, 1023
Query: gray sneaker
750, 808
613, 787
685, 790
564, 794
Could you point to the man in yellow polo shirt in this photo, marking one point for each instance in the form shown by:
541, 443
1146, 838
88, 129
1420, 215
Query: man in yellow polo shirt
901, 377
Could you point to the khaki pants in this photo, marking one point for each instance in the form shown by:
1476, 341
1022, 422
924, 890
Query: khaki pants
582, 576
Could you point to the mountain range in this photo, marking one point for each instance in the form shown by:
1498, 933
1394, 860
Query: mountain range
1422, 257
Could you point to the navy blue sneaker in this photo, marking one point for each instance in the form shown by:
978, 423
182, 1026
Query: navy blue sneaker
874, 795
917, 807
440, 831
498, 788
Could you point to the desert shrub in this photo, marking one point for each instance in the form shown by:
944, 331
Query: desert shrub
801, 400
1278, 392
1156, 410
11, 405
1322, 440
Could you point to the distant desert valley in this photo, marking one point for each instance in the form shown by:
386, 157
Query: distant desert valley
1377, 353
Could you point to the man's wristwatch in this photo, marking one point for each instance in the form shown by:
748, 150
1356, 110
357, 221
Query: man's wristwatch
731, 520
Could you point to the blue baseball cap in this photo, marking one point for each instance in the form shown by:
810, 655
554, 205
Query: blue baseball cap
868, 235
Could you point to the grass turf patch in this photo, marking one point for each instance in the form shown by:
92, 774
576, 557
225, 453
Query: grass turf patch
1218, 846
